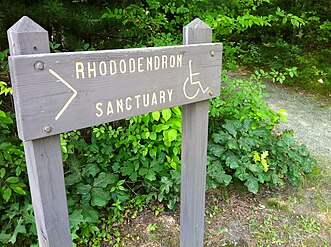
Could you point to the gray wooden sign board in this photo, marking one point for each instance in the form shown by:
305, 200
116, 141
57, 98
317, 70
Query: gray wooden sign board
67, 91
55, 93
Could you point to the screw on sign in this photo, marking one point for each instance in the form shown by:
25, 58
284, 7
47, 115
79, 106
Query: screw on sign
55, 93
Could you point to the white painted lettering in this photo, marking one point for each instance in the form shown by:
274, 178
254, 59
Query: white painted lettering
179, 60
146, 99
172, 61
137, 98
119, 105
156, 63
128, 107
80, 70
169, 94
102, 68
132, 65
149, 64
134, 102
122, 66
98, 107
110, 109
164, 61
112, 66
140, 64
162, 97
91, 69
154, 99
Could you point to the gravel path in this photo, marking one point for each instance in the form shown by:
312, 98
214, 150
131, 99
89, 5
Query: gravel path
310, 118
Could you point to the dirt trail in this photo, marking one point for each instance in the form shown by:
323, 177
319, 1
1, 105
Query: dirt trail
309, 117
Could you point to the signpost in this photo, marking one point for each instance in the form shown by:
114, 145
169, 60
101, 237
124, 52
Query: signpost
55, 93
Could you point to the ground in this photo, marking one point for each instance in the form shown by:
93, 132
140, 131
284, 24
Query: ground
275, 217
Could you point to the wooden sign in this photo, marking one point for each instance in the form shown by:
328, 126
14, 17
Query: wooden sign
63, 92
55, 93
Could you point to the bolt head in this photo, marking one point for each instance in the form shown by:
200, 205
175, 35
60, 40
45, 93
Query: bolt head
212, 53
47, 128
210, 93
39, 65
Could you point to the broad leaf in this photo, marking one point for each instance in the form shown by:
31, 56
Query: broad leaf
100, 197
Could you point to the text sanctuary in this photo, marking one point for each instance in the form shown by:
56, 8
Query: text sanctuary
129, 65
135, 102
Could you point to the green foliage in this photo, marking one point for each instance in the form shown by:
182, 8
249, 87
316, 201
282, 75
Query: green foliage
242, 99
242, 145
3, 60
15, 206
236, 149
144, 155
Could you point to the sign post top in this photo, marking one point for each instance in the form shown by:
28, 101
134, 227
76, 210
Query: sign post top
27, 37
197, 32
197, 24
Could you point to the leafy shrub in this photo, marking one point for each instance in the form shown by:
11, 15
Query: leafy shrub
113, 170
121, 166
255, 156
16, 215
242, 145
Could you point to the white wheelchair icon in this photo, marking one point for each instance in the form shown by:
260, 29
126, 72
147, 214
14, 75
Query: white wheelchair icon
193, 83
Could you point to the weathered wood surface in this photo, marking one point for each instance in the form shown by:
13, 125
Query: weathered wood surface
194, 152
62, 92
43, 156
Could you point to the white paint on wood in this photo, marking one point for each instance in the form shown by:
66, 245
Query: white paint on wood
77, 90
70, 87
192, 83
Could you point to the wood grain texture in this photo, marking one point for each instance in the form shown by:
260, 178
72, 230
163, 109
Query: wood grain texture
46, 179
43, 156
194, 152
73, 90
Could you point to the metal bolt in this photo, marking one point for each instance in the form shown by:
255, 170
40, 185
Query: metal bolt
212, 53
210, 93
47, 128
39, 65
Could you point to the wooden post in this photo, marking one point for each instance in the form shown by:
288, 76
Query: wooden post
43, 156
194, 153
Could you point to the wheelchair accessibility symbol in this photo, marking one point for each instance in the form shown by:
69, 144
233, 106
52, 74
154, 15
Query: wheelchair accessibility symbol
192, 88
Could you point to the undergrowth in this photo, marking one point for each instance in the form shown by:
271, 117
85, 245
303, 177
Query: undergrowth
114, 170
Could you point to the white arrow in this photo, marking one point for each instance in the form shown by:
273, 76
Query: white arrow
70, 87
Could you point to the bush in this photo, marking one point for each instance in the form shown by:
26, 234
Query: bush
113, 170
242, 144
17, 221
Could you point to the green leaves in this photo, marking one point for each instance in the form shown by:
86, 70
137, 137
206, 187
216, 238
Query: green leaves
172, 135
151, 175
6, 194
166, 114
242, 144
12, 180
104, 179
252, 184
100, 197
156, 115
20, 228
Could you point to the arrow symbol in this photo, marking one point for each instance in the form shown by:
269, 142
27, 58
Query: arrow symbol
70, 87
